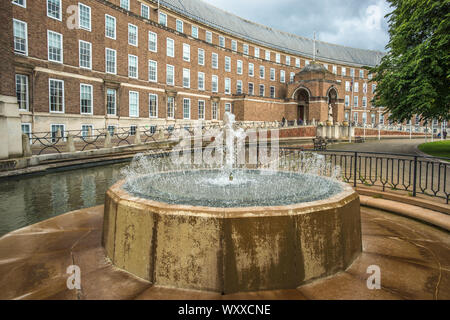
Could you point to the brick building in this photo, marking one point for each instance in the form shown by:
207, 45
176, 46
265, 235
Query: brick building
103, 64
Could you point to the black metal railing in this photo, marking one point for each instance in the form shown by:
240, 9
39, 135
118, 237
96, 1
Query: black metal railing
412, 173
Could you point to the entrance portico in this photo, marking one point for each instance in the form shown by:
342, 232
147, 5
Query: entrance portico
315, 89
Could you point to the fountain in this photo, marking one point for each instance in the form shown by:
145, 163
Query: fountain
228, 229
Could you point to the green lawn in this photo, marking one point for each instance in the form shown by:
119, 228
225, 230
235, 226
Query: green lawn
437, 148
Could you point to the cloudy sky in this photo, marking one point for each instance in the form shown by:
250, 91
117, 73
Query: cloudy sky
354, 23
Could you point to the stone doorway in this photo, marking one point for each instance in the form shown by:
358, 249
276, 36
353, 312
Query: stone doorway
302, 96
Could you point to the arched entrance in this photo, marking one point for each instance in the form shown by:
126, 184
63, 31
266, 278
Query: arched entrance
302, 97
332, 100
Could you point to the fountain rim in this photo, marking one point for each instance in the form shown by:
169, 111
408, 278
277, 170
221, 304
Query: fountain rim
119, 194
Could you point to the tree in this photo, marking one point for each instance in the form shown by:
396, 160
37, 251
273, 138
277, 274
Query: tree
413, 77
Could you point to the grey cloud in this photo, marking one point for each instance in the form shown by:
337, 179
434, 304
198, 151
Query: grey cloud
345, 22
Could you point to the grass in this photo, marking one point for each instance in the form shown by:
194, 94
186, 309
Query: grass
437, 148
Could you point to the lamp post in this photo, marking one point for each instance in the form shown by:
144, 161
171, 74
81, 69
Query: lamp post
351, 111
432, 130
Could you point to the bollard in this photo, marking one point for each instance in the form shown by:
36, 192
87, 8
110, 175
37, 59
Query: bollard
137, 137
70, 143
26, 147
107, 140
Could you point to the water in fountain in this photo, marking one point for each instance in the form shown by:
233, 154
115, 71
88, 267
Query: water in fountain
225, 185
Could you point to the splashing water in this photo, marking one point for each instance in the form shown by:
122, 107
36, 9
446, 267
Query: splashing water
303, 178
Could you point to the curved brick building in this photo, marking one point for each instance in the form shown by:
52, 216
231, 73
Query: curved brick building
120, 63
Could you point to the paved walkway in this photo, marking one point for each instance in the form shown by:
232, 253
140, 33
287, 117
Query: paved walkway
399, 146
414, 261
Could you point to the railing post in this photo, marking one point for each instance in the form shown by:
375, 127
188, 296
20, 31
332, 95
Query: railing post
354, 170
415, 176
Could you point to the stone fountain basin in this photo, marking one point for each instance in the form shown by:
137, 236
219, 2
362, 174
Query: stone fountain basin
229, 250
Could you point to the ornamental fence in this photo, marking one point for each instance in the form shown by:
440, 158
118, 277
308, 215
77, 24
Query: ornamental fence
412, 173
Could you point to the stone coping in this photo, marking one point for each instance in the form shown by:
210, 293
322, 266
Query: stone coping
414, 259
338, 200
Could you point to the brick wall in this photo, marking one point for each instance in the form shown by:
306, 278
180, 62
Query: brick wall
38, 25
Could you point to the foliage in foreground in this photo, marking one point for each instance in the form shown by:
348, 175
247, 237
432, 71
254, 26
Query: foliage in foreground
413, 77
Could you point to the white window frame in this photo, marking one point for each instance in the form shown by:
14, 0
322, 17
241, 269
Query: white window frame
347, 101
106, 60
251, 70
137, 35
48, 46
168, 66
24, 5
27, 95
62, 132
214, 57
137, 66
162, 14
216, 78
194, 34
262, 72
90, 54
170, 106
201, 53
208, 37
156, 71
26, 37
227, 86
150, 33
170, 40
115, 101
156, 106
297, 62
60, 11
267, 55
277, 58
288, 60
92, 98
263, 90
227, 64
187, 75
239, 84
204, 109
49, 96
128, 5
282, 76
343, 71
146, 7
239, 67
272, 76
129, 104
355, 99
79, 17
186, 52
222, 42
84, 133
115, 26
227, 107
28, 131
181, 23
214, 110
189, 105
251, 92
245, 49
202, 76
272, 89
257, 52
234, 45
